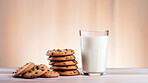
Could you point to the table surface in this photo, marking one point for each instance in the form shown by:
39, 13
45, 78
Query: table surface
113, 75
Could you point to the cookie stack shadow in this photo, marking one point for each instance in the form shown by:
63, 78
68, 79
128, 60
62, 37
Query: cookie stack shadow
63, 61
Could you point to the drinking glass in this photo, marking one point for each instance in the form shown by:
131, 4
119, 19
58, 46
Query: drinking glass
94, 51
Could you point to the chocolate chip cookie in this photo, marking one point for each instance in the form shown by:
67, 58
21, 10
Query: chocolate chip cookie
36, 71
60, 52
63, 63
23, 69
62, 58
69, 73
50, 74
63, 68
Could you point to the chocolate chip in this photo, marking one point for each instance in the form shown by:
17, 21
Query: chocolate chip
12, 72
29, 71
36, 72
42, 69
67, 67
21, 68
15, 72
52, 53
58, 50
66, 49
49, 56
53, 49
37, 67
71, 51
66, 58
73, 61
27, 63
65, 52
74, 72
48, 70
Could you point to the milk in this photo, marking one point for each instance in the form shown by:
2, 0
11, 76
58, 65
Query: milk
94, 53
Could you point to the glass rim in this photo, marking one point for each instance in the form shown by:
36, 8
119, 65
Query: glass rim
95, 30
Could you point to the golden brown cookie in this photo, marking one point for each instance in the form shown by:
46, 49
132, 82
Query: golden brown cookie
63, 68
63, 63
50, 74
62, 58
60, 52
36, 71
69, 73
23, 69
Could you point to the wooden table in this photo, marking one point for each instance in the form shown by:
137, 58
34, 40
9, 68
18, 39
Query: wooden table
127, 75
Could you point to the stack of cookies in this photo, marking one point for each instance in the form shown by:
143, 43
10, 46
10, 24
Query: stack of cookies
63, 61
30, 70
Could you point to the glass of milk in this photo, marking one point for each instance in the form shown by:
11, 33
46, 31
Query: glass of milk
94, 51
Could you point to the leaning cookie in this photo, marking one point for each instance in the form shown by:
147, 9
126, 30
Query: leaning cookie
23, 69
63, 63
69, 73
36, 71
62, 58
50, 74
60, 52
